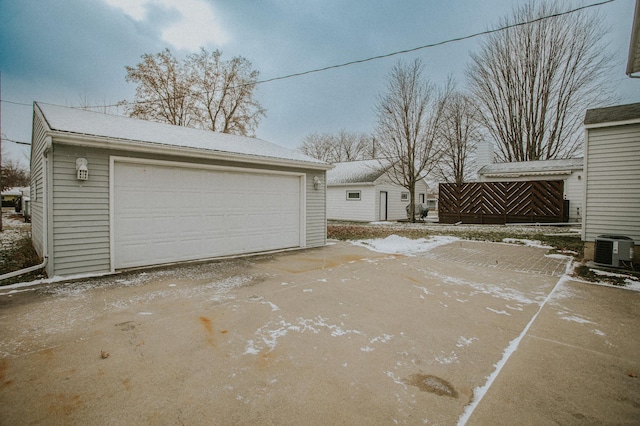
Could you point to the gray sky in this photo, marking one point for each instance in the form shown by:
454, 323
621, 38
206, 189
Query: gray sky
67, 51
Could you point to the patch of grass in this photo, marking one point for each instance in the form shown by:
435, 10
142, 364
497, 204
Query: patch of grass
18, 255
351, 231
586, 273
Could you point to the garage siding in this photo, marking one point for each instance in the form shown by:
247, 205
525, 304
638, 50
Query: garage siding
80, 213
37, 180
316, 221
81, 208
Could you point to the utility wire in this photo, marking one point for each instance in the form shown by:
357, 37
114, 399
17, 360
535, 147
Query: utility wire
440, 43
15, 103
14, 141
386, 55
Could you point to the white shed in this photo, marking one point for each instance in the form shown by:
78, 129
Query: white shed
612, 173
111, 193
362, 191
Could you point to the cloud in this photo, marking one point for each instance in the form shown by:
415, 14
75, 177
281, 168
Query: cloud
194, 24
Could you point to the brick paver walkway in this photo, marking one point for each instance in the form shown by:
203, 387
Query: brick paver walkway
502, 256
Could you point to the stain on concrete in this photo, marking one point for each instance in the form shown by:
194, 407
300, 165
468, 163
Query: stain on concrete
432, 384
208, 327
126, 326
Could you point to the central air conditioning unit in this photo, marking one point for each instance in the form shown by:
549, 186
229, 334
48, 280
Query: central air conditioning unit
611, 250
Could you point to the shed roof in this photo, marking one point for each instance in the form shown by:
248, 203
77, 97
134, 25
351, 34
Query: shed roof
612, 114
365, 171
118, 128
533, 167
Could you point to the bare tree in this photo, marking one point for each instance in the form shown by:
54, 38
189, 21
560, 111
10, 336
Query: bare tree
534, 82
459, 134
163, 91
224, 93
409, 115
318, 145
98, 106
202, 92
13, 174
339, 147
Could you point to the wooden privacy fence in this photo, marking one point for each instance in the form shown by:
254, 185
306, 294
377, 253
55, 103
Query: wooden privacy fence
503, 202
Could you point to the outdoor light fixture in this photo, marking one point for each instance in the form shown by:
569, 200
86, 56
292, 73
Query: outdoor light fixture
317, 183
81, 169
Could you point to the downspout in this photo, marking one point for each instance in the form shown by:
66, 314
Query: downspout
26, 270
45, 218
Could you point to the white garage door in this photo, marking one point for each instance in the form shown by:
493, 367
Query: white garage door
165, 214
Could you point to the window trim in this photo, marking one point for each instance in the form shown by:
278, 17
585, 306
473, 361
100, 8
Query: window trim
354, 192
404, 196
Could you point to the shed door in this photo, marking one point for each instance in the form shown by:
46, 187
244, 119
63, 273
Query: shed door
383, 205
164, 214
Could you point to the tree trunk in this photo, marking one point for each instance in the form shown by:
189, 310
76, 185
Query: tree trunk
412, 201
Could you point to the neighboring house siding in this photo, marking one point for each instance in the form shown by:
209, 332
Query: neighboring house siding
339, 208
612, 192
368, 208
574, 191
396, 207
38, 143
80, 212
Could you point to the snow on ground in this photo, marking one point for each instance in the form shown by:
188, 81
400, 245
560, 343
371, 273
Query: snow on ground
394, 244
13, 228
528, 243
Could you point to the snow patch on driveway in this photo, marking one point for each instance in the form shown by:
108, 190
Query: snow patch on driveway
395, 244
267, 336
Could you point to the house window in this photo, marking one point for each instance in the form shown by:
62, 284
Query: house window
353, 195
404, 196
421, 197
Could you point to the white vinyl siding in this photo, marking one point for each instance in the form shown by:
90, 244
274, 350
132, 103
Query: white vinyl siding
574, 191
368, 208
396, 206
612, 191
316, 222
80, 213
340, 208
37, 184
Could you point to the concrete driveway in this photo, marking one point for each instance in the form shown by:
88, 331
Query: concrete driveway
468, 332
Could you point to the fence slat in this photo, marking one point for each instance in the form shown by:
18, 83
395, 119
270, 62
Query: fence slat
502, 202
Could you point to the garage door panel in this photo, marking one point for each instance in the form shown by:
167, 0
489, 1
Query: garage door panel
168, 214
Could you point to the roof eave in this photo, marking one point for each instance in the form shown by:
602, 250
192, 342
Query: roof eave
92, 141
524, 174
351, 184
612, 123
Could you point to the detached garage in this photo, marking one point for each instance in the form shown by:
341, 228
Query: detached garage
111, 193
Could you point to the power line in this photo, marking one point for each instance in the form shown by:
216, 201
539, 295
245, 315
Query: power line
440, 43
14, 141
383, 56
401, 52
15, 103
